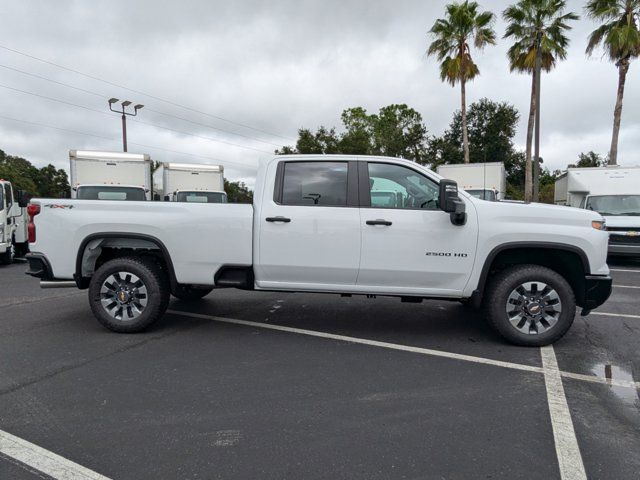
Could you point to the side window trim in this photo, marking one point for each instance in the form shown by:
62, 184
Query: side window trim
352, 182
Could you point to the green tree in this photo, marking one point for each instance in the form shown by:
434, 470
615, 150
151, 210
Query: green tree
238, 192
53, 182
591, 159
531, 23
619, 35
491, 126
19, 172
463, 24
396, 130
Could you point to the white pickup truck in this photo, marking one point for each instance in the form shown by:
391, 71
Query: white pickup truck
314, 227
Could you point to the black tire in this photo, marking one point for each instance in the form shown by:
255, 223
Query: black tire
134, 317
7, 257
21, 249
189, 293
524, 317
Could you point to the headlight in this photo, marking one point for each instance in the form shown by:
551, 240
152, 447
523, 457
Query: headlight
599, 225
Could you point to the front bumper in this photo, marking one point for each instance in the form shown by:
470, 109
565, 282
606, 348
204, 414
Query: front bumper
597, 289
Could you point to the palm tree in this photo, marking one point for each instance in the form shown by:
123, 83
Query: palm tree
463, 24
619, 34
531, 23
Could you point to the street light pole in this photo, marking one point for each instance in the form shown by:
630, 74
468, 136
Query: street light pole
124, 104
124, 131
536, 163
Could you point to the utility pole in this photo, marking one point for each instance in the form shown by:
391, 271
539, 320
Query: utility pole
124, 104
536, 163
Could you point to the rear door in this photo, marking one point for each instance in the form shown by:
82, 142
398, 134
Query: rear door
409, 245
308, 230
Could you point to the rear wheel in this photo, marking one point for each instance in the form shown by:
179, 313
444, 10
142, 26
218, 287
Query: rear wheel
190, 293
128, 294
530, 305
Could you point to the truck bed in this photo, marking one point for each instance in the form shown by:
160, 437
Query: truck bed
200, 237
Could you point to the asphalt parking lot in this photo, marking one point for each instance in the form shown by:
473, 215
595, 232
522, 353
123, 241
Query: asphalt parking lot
263, 385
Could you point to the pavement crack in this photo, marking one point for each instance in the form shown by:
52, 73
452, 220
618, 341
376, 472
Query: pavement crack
28, 300
66, 368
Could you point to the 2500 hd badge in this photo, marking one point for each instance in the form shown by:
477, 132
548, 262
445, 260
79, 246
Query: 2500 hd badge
447, 254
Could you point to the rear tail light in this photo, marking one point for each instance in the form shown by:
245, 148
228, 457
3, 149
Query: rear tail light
33, 209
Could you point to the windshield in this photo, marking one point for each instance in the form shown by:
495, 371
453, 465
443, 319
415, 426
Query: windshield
110, 192
202, 197
483, 194
614, 204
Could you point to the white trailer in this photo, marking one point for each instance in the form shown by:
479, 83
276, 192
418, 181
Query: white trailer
109, 175
187, 182
487, 181
612, 191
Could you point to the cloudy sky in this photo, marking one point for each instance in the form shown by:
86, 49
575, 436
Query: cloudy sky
272, 66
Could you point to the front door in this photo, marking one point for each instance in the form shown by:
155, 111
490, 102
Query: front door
309, 229
409, 245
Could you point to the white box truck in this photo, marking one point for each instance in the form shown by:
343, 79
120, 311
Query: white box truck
13, 224
186, 182
486, 181
613, 192
109, 175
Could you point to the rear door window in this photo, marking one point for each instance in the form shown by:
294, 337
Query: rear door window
315, 184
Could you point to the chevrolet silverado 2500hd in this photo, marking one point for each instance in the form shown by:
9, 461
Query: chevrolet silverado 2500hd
317, 225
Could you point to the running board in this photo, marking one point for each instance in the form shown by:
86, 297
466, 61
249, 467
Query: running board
58, 284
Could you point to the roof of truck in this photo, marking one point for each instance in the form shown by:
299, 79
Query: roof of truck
106, 156
193, 166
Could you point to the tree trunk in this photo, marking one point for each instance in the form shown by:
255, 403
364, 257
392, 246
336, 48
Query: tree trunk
528, 170
465, 135
623, 68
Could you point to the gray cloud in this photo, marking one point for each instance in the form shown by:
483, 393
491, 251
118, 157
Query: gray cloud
276, 66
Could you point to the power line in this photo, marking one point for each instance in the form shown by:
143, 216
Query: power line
137, 121
90, 92
78, 72
67, 130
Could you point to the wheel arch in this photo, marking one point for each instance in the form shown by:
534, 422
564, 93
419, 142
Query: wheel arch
568, 260
89, 255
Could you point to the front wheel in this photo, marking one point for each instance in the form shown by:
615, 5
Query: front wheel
7, 257
128, 294
530, 305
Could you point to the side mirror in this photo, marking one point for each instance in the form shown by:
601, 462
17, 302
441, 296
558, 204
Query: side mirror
23, 198
451, 203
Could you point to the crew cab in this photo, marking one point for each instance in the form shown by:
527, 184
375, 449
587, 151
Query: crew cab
317, 225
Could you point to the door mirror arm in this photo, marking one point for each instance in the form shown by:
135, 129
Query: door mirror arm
451, 203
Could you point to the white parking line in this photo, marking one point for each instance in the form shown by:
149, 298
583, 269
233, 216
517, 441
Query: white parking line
623, 270
622, 315
564, 435
407, 348
624, 286
43, 460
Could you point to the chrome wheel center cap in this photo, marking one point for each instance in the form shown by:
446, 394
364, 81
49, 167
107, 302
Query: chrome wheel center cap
534, 308
123, 296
